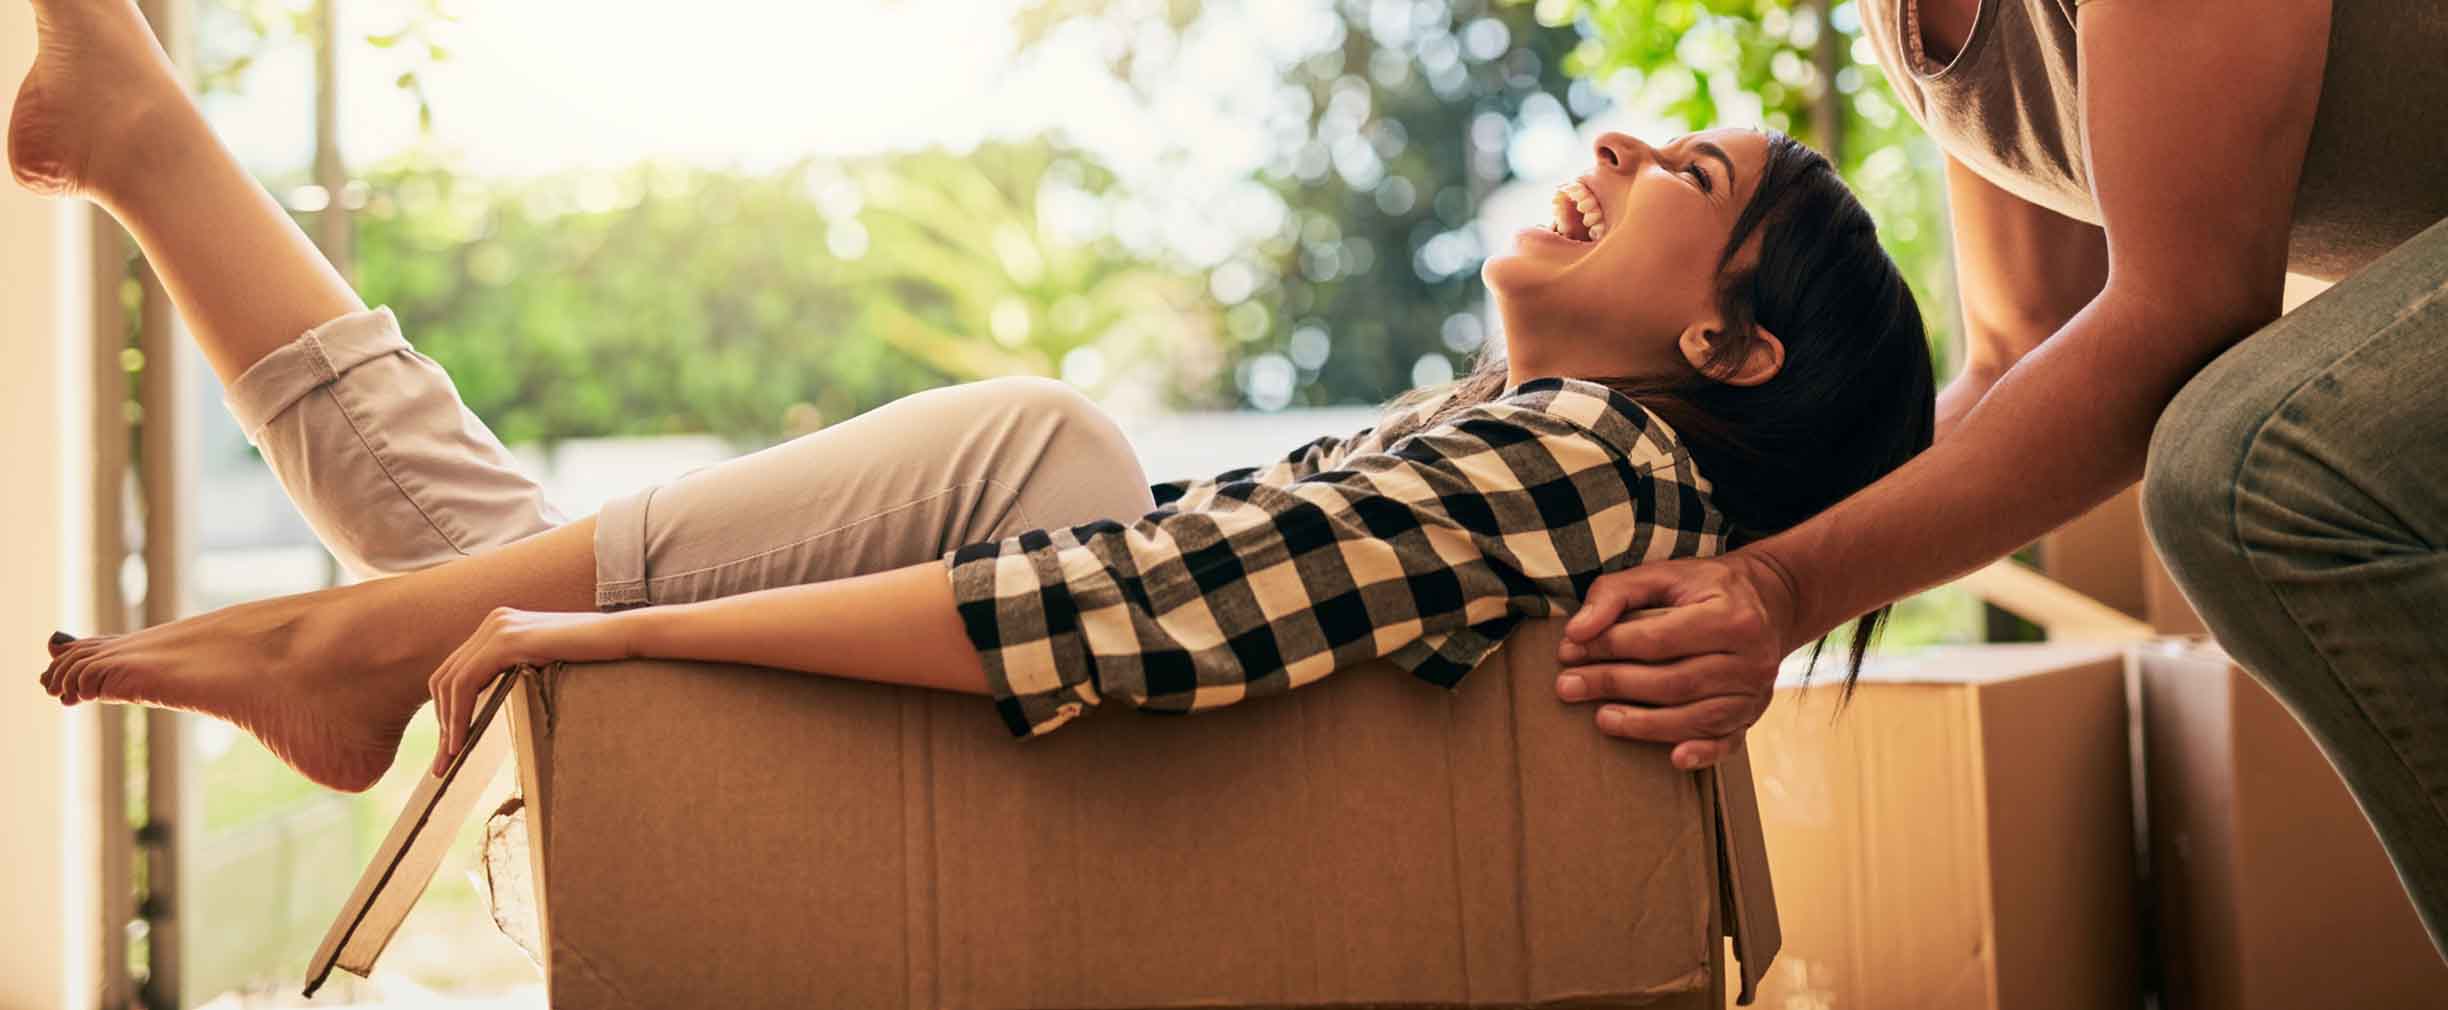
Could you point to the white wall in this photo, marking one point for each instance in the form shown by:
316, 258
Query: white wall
49, 806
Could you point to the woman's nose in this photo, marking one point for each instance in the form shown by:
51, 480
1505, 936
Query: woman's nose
1622, 151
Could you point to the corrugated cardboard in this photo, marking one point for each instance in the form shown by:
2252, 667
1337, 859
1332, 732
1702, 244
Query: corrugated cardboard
1959, 837
737, 837
2271, 890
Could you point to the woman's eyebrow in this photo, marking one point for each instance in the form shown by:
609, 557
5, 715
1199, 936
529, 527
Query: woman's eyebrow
1718, 153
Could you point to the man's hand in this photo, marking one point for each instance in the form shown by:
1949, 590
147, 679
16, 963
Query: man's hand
1693, 644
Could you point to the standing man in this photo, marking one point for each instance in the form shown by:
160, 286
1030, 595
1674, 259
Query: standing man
2130, 182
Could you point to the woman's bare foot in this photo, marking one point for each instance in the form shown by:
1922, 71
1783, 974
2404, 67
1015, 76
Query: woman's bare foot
295, 671
99, 87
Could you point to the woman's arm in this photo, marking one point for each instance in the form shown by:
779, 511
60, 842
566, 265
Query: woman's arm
1425, 554
895, 627
2022, 270
2197, 114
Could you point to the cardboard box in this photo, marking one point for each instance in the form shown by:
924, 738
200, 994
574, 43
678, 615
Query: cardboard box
2270, 889
738, 837
1958, 837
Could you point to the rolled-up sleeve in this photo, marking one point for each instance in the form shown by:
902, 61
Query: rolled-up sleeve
1425, 553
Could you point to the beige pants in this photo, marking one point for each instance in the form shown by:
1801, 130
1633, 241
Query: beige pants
395, 474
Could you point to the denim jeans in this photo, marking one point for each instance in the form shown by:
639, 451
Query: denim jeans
2298, 489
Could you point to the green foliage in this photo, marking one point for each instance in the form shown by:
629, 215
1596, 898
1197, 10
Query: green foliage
667, 300
971, 273
1378, 127
236, 33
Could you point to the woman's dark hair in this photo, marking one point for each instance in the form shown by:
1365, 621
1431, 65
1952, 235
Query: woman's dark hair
1855, 398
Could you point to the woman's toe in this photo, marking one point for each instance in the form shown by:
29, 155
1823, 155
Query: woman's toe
96, 679
81, 680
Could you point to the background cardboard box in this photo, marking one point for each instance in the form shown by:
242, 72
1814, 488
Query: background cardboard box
1960, 837
734, 837
2270, 889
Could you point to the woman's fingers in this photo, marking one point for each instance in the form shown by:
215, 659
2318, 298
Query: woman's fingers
439, 686
500, 641
462, 691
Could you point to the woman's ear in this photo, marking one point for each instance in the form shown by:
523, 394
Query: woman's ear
1761, 363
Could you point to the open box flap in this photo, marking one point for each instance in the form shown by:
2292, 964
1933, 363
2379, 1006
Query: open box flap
1742, 872
397, 875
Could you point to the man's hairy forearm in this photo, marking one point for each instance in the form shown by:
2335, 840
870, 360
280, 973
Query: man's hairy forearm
2060, 431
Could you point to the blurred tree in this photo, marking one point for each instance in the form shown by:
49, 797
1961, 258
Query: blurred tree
1392, 118
1388, 124
662, 300
979, 268
233, 34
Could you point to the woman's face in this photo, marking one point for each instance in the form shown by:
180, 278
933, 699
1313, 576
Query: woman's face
1639, 297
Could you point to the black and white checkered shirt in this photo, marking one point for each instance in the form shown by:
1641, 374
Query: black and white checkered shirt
1425, 552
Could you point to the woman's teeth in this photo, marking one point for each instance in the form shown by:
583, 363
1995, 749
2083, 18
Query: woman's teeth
1578, 215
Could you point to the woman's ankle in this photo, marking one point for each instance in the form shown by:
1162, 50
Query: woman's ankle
149, 161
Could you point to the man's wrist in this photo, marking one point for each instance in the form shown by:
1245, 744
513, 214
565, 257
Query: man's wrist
1780, 593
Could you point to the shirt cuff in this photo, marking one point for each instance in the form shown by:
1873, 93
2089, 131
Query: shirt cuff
1026, 635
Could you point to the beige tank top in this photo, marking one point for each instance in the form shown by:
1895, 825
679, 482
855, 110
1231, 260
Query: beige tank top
2376, 171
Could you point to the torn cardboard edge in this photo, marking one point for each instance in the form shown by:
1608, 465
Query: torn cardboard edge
405, 863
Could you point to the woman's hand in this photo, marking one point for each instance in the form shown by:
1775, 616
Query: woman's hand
1700, 661
510, 638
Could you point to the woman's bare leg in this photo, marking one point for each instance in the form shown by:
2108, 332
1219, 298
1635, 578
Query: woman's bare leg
329, 680
102, 115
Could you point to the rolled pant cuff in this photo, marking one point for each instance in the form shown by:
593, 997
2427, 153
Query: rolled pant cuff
315, 359
620, 551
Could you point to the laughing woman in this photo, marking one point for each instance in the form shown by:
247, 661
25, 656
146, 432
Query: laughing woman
1706, 347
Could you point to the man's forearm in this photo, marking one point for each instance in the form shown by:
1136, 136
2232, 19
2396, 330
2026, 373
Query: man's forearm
2063, 429
896, 627
1961, 395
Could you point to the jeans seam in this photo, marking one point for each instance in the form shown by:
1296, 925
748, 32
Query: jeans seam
813, 537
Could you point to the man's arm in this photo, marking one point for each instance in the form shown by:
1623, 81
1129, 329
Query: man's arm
2023, 271
2197, 114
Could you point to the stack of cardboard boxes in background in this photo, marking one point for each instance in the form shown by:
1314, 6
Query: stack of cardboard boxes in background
2074, 826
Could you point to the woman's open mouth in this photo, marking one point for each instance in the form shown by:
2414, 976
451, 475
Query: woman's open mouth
1578, 215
